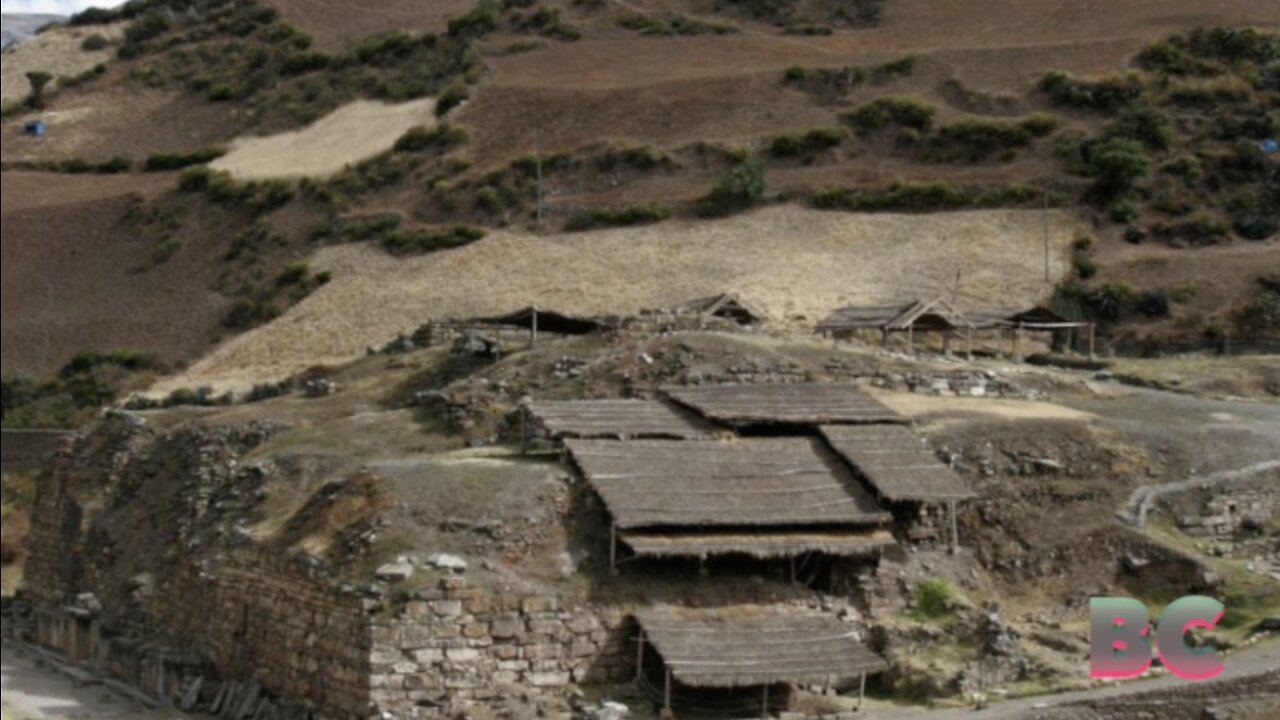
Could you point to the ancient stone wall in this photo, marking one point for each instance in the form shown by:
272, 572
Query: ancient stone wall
1230, 513
460, 645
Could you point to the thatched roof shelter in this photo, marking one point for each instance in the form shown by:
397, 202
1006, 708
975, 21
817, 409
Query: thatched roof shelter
784, 404
923, 315
540, 320
1036, 318
740, 484
620, 419
851, 318
772, 545
728, 306
752, 646
898, 463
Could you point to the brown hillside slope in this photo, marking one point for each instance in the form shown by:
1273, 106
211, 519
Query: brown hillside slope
65, 262
796, 264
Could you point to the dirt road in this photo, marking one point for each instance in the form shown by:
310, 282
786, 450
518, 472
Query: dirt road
33, 692
1260, 660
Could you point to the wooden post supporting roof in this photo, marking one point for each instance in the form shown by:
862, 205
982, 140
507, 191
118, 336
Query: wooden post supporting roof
613, 549
1093, 341
862, 691
953, 524
666, 712
640, 657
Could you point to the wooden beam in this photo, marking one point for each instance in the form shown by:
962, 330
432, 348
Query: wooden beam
764, 705
1093, 341
613, 549
862, 692
640, 657
954, 525
667, 696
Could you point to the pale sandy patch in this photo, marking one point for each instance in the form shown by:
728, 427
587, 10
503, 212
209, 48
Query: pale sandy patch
914, 406
348, 135
794, 263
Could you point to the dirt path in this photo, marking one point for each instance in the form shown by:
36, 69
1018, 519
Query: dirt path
1144, 499
1260, 660
35, 692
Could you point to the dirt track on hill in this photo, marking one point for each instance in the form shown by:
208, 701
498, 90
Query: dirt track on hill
795, 263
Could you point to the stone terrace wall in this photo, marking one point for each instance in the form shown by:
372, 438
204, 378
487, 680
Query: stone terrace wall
467, 646
258, 618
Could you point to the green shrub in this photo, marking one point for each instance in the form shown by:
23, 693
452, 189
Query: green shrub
1124, 211
977, 140
901, 195
1107, 95
905, 112
625, 217
163, 162
1114, 300
736, 190
480, 21
441, 137
293, 274
75, 166
1263, 312
452, 97
247, 314
1146, 124
935, 599
1256, 227
39, 82
806, 144
147, 27
94, 43
1199, 229
900, 68
1154, 304
165, 250
635, 158
1086, 268
115, 166
1116, 165
424, 241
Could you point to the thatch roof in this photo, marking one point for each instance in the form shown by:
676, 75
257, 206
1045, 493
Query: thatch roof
744, 483
785, 404
935, 314
761, 545
546, 320
861, 318
751, 646
1035, 318
727, 305
619, 419
897, 463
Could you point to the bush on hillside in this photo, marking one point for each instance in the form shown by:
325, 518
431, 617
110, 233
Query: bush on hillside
1107, 95
163, 162
623, 217
906, 112
806, 144
736, 190
1116, 165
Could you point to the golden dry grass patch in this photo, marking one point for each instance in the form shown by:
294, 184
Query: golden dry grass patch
348, 135
57, 52
796, 264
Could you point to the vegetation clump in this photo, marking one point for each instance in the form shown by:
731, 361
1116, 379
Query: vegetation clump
737, 190
623, 217
806, 145
903, 112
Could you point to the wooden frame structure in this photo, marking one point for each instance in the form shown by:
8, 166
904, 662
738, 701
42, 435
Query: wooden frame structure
748, 647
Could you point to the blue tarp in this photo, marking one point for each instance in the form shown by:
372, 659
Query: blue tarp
1270, 147
36, 128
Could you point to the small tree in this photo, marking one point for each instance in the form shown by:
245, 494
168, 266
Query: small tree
734, 191
1117, 164
39, 81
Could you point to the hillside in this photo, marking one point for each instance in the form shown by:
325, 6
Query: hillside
630, 114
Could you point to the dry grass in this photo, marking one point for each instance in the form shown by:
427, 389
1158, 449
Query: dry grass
795, 264
346, 136
56, 52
